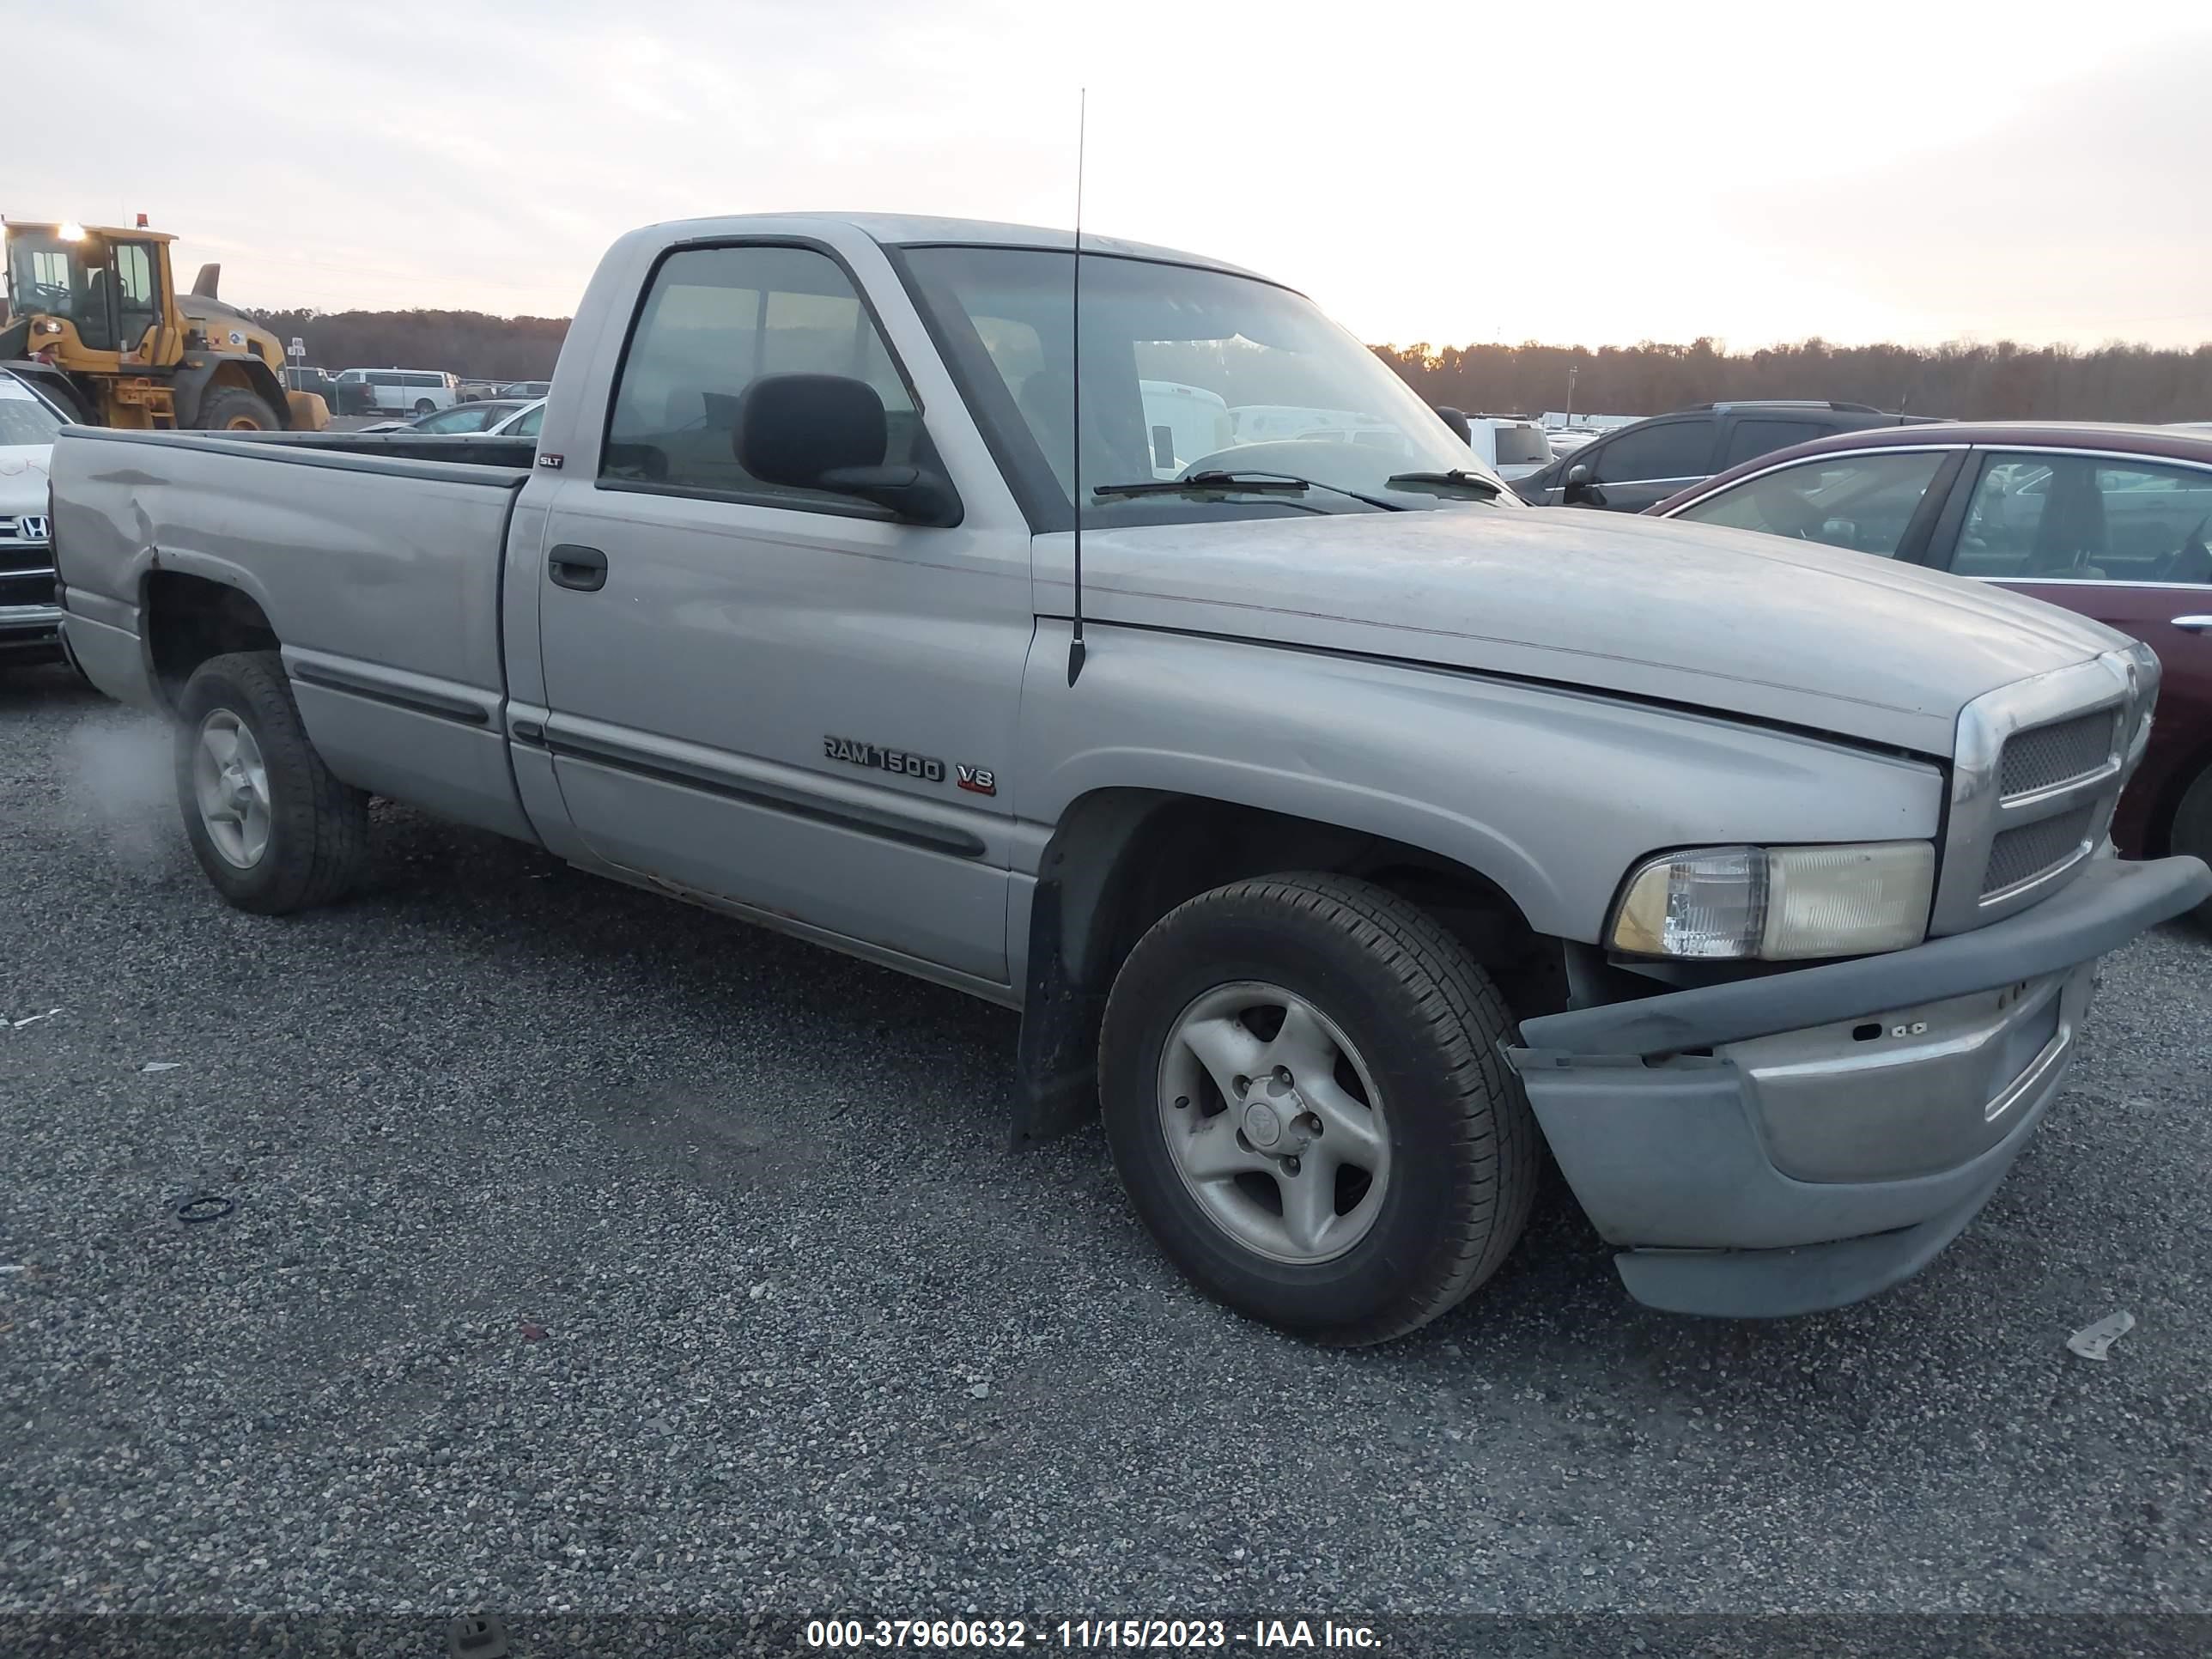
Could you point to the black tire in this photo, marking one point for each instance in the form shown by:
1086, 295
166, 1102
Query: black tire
1463, 1142
233, 409
2192, 833
316, 848
423, 405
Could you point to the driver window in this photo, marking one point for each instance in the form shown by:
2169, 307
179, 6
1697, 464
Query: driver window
1861, 502
2072, 518
717, 318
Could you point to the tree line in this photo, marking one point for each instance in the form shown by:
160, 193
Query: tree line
471, 343
2003, 380
1999, 382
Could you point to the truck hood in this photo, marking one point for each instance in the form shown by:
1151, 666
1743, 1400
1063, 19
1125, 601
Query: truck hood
1728, 620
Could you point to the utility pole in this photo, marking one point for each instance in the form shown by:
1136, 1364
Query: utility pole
1571, 394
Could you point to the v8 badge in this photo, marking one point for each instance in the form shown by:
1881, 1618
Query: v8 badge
976, 779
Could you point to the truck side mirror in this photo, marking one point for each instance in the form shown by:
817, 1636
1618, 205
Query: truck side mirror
1456, 420
829, 432
1580, 486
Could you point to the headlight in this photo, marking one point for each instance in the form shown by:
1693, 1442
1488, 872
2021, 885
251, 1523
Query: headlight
1781, 903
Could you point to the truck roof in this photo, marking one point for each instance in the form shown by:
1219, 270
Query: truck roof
923, 230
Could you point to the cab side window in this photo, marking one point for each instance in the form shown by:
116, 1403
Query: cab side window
135, 307
715, 320
1666, 451
1863, 502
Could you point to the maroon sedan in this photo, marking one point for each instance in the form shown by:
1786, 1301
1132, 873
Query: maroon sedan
2110, 521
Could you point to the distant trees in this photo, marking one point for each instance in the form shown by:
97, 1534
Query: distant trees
2000, 381
473, 344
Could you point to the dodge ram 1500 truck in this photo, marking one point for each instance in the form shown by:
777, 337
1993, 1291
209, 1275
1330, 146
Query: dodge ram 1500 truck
1340, 825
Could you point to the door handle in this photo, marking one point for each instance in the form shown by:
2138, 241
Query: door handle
584, 568
2194, 624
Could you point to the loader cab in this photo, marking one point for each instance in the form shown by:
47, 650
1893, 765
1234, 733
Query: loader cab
92, 301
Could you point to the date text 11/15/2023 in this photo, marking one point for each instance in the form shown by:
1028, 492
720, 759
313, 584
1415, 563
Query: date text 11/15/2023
1162, 1635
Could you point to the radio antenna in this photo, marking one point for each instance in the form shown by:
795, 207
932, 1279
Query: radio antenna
1075, 647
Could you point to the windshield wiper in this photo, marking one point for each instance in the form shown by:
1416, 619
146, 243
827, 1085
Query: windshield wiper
1457, 478
1257, 483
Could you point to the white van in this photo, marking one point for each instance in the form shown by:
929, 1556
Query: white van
1259, 423
1182, 423
1514, 447
405, 390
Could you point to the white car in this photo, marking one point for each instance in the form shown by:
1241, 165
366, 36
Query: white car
513, 423
30, 622
523, 423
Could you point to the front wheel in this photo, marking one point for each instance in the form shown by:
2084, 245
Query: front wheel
274, 831
1304, 1099
423, 405
233, 409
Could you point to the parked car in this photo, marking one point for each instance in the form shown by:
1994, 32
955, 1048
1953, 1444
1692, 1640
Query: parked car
524, 423
526, 388
2108, 521
1511, 446
1354, 826
402, 391
1632, 467
480, 415
30, 621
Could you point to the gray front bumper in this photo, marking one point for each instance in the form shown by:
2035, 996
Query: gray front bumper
1804, 1139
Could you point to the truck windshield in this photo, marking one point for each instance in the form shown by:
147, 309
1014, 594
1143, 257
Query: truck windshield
56, 278
1184, 370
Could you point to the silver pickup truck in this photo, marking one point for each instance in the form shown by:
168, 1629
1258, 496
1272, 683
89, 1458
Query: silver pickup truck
1348, 830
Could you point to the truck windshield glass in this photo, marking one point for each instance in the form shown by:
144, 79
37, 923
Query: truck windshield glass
48, 275
1184, 370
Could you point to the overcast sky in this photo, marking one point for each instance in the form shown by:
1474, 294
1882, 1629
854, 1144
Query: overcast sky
1577, 171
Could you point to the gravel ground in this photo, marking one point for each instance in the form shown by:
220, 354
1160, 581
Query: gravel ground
591, 1253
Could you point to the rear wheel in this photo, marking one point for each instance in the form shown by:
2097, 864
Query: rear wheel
1304, 1095
423, 405
233, 409
2192, 832
274, 831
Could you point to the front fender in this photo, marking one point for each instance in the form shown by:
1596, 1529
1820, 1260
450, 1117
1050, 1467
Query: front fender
1549, 791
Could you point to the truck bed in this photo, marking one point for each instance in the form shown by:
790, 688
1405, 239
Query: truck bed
378, 563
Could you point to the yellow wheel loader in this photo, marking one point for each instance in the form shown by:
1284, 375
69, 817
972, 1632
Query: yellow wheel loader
94, 318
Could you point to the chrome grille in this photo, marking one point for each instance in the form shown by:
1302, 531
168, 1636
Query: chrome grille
2037, 769
2034, 850
2056, 754
26, 566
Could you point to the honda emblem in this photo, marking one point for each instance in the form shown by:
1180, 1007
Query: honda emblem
32, 527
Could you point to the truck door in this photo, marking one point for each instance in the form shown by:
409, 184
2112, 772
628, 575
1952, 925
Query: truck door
781, 698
